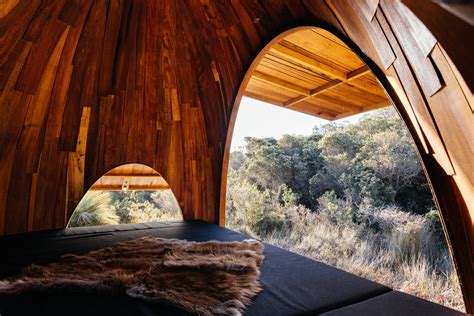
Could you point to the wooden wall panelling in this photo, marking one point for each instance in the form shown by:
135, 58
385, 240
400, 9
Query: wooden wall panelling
51, 197
395, 82
440, 149
462, 83
11, 122
46, 180
45, 37
247, 24
46, 14
7, 67
381, 43
73, 13
168, 102
31, 206
48, 186
406, 36
12, 28
14, 25
109, 49
296, 9
454, 34
416, 98
455, 121
60, 207
363, 32
86, 63
30, 143
35, 123
425, 40
6, 6
368, 8
322, 11
457, 226
96, 153
76, 165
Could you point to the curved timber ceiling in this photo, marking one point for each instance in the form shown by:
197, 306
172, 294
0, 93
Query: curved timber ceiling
130, 177
314, 72
88, 85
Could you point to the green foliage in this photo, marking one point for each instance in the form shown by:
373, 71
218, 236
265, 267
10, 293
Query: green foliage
119, 207
94, 209
266, 164
236, 160
251, 209
353, 196
373, 160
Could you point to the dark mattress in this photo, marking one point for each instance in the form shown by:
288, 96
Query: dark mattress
292, 284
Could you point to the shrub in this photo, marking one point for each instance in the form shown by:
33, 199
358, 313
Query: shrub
94, 209
385, 244
118, 207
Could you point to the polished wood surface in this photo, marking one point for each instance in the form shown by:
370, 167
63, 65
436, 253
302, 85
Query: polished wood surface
313, 72
130, 177
86, 86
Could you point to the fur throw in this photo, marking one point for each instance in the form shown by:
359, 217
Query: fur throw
202, 277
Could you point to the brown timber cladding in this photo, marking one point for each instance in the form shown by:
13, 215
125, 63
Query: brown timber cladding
158, 80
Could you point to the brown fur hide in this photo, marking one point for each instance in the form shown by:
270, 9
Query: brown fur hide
205, 278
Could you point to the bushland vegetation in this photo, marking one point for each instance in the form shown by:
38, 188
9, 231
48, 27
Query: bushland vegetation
351, 195
123, 207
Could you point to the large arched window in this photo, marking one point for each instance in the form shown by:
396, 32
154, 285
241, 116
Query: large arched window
349, 193
131, 193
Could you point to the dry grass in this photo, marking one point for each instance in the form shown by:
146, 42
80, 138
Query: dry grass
388, 246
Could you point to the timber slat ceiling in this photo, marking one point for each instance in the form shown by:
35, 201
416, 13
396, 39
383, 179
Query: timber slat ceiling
130, 177
313, 72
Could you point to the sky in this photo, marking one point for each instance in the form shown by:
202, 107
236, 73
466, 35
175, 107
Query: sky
259, 119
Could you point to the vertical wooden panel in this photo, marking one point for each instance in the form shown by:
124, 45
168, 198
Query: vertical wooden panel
76, 164
361, 30
29, 146
415, 96
455, 120
14, 110
401, 27
6, 6
369, 8
451, 32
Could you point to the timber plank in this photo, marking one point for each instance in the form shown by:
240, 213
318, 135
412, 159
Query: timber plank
450, 33
7, 6
86, 61
415, 96
38, 58
423, 67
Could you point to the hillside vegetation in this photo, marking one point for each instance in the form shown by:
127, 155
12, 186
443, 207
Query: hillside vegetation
351, 195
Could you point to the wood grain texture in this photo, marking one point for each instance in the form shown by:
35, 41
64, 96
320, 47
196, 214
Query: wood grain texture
160, 79
130, 177
313, 72
6, 6
450, 31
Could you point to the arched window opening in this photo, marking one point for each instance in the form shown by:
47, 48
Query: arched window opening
131, 193
350, 191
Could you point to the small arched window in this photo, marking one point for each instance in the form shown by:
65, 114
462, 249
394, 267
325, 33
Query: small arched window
131, 193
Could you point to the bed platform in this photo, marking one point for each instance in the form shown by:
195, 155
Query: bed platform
293, 285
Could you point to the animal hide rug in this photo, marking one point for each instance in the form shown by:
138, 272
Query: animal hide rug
201, 277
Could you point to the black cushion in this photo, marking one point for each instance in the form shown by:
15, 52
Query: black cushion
394, 303
293, 284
